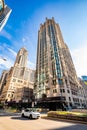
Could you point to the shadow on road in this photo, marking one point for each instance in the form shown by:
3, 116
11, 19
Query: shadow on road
73, 127
19, 118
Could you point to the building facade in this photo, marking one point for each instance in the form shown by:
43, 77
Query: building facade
1, 6
19, 79
5, 12
3, 80
56, 77
24, 92
83, 92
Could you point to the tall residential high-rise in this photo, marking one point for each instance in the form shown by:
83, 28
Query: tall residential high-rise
83, 92
20, 80
5, 12
56, 82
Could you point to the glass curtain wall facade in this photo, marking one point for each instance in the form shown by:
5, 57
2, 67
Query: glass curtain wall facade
4, 15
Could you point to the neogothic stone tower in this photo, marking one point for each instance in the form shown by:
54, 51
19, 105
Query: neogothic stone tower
22, 58
20, 80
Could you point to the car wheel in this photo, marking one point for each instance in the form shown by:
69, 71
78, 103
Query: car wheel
30, 116
22, 115
37, 118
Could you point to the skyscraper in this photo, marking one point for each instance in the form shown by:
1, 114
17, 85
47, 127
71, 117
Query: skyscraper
20, 80
1, 6
56, 80
4, 14
3, 80
22, 58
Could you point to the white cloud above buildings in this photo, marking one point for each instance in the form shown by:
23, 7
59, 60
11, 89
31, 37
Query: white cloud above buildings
12, 51
79, 56
31, 65
5, 34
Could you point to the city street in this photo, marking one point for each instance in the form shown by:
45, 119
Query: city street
16, 122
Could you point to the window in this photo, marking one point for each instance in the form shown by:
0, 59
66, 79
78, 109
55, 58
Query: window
22, 72
69, 99
8, 95
19, 59
16, 71
14, 80
54, 82
54, 90
62, 90
60, 81
64, 98
20, 81
68, 91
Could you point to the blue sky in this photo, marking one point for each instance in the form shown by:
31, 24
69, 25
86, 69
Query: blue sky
22, 28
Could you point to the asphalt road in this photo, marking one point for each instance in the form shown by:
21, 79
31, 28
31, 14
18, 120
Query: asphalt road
16, 122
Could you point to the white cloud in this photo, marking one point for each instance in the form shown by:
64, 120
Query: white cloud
7, 64
4, 33
12, 51
79, 57
1, 67
1, 48
31, 65
23, 39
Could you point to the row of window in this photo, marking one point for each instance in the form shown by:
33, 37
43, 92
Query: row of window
74, 92
19, 81
63, 91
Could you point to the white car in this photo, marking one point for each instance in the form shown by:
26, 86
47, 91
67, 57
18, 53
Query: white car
30, 113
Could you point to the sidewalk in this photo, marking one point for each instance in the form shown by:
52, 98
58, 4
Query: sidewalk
4, 113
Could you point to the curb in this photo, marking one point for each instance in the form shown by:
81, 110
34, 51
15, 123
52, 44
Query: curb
64, 120
9, 114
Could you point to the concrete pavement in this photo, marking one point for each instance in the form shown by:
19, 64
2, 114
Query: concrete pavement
19, 123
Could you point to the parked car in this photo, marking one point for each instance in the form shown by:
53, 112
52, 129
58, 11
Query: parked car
30, 113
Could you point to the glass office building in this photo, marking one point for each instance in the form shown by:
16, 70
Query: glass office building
4, 15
